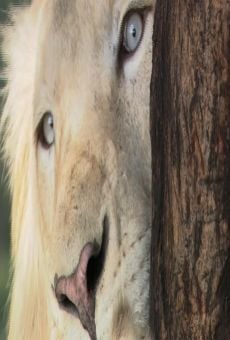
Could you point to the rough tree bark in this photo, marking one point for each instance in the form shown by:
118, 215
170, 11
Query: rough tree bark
190, 130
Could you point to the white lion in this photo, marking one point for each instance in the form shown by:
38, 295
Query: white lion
77, 144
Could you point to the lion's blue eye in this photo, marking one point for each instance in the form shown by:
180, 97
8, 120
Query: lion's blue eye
46, 130
133, 31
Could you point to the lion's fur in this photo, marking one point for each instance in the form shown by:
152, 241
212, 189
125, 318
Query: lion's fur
19, 47
34, 312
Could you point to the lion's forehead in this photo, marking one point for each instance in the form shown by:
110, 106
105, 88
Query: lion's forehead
81, 23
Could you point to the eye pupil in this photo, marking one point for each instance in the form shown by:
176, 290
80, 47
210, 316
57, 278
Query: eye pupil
134, 32
51, 122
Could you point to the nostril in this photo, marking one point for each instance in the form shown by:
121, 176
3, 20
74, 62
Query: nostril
96, 262
67, 304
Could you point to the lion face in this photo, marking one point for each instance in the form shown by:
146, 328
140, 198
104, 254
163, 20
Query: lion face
93, 166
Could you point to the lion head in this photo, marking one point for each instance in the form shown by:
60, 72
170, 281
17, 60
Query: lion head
77, 142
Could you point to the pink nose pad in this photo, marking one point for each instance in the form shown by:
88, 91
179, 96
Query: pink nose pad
73, 292
76, 294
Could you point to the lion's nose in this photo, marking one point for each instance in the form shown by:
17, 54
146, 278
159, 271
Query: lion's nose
75, 296
76, 293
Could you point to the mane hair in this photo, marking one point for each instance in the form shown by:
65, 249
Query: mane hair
29, 309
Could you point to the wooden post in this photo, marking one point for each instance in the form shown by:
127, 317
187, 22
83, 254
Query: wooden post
190, 131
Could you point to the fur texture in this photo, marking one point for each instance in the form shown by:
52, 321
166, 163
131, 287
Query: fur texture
62, 56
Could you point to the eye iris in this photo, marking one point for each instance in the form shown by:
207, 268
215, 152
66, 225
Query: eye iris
133, 32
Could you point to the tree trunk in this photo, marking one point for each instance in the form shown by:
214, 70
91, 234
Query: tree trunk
190, 130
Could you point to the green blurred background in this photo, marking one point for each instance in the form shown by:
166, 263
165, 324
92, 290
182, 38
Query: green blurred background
4, 216
4, 207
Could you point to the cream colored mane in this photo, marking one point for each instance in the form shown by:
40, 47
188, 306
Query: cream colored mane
33, 311
20, 46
